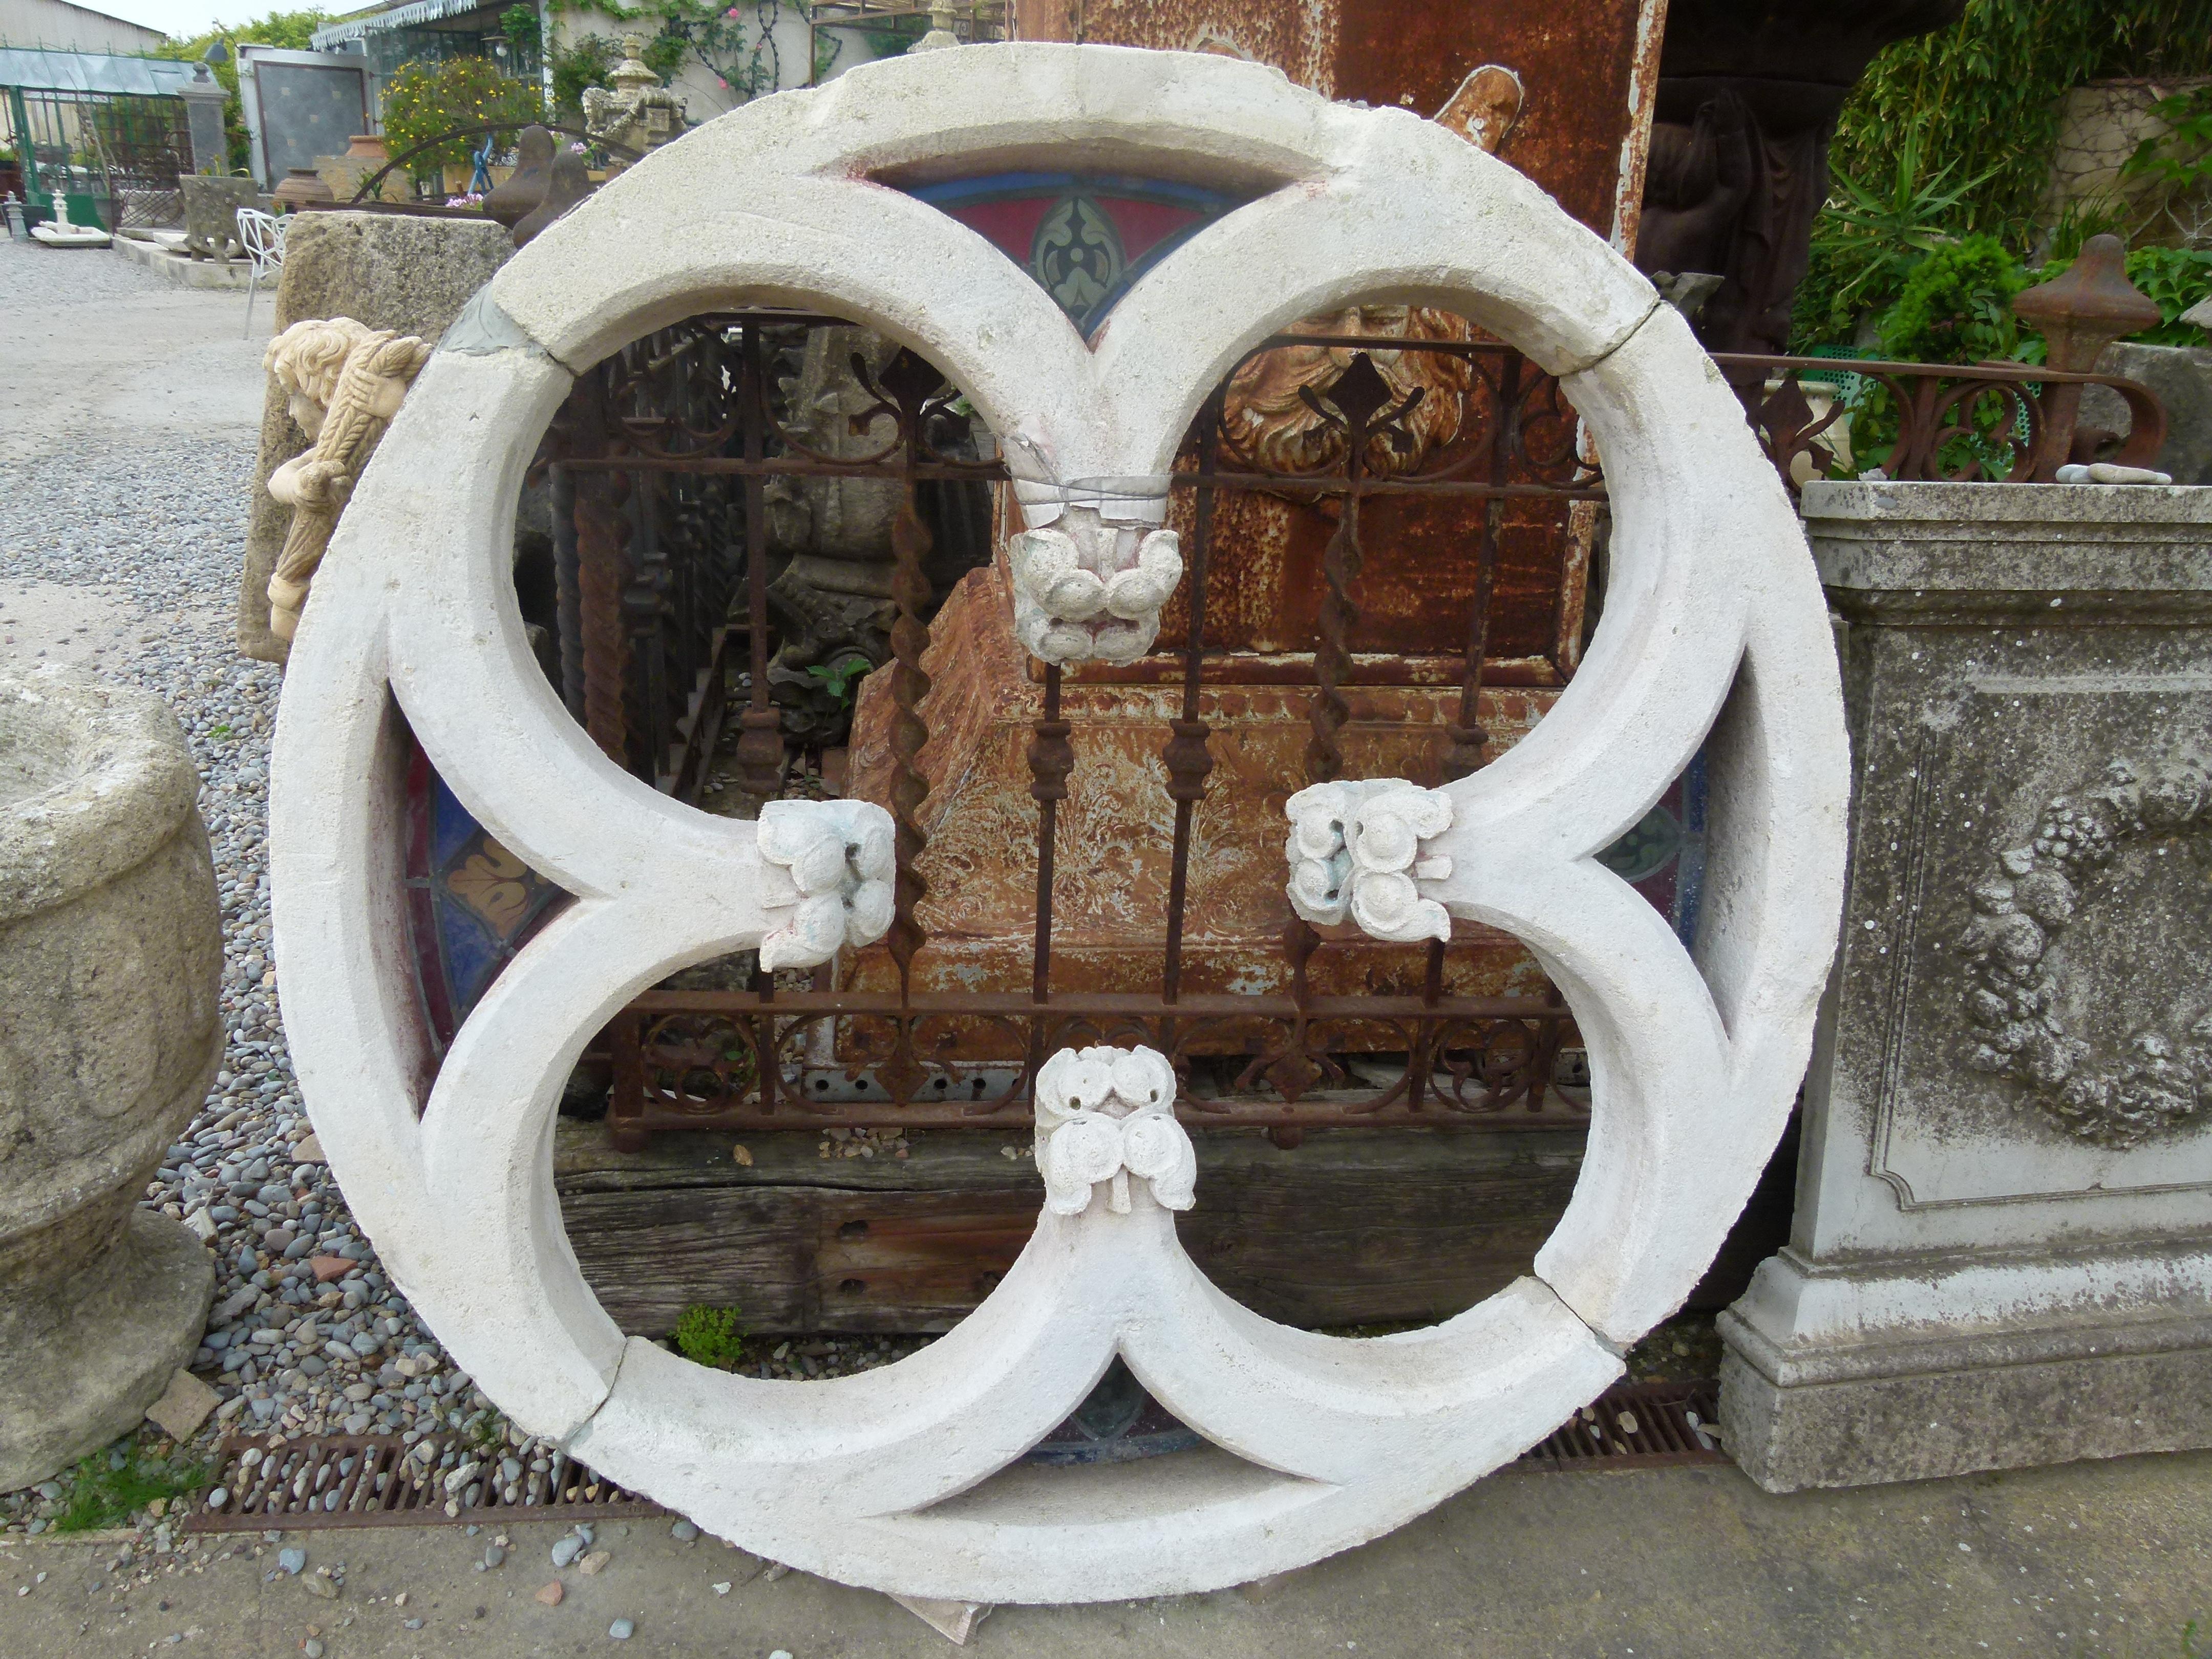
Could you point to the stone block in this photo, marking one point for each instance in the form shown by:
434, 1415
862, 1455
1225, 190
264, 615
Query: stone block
2005, 1195
185, 1404
385, 270
2182, 378
211, 206
111, 957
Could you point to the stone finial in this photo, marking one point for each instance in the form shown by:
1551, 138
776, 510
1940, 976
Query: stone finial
2200, 315
639, 114
345, 382
2088, 307
838, 856
1360, 849
1104, 1115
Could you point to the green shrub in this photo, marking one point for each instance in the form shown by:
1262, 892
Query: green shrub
423, 101
710, 1336
1956, 308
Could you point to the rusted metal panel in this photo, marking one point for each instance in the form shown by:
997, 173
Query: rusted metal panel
1586, 67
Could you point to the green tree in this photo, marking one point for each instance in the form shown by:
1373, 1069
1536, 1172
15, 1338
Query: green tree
1984, 95
291, 30
423, 101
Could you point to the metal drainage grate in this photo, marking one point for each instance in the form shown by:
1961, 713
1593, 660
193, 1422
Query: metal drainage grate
1637, 1425
376, 1481
379, 1480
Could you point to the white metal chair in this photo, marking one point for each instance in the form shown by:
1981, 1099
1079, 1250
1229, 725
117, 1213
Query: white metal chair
262, 235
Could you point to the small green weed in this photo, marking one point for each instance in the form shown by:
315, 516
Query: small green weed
710, 1336
107, 1488
219, 733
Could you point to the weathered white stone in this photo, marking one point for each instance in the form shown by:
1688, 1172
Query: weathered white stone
1998, 1255
1104, 1115
1364, 849
837, 857
902, 1478
111, 959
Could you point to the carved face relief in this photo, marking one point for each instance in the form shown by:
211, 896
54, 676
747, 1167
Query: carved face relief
1267, 420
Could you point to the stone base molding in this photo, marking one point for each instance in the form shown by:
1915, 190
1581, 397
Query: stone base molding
2003, 1245
1913, 1370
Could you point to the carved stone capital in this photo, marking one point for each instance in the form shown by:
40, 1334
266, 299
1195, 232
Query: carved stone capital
1360, 849
1104, 1115
1087, 588
837, 856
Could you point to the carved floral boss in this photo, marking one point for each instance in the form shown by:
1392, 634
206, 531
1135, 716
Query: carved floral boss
1317, 1443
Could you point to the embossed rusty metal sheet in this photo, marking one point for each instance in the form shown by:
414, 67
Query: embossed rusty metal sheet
1110, 898
1586, 65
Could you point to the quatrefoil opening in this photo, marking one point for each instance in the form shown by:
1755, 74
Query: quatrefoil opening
1715, 627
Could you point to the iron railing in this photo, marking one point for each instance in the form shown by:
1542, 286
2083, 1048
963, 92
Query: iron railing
1980, 422
690, 410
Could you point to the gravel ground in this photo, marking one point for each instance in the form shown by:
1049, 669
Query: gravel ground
306, 1335
40, 279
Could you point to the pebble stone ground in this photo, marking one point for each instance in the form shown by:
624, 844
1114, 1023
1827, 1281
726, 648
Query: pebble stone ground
306, 1335
123, 556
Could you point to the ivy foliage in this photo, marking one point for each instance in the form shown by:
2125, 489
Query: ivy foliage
735, 44
290, 30
1951, 135
422, 100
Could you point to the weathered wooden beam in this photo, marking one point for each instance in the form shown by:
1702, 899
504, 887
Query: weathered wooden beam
1355, 1227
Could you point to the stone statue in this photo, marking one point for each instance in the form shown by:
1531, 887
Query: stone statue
344, 383
640, 113
1749, 95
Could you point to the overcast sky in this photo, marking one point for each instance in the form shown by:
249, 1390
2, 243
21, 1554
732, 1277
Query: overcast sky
183, 18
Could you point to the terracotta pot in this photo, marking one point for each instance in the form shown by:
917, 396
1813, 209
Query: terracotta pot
368, 147
300, 186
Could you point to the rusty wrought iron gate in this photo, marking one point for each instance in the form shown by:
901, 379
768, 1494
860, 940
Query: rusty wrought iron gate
682, 429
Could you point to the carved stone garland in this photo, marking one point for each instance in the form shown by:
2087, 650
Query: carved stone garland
2164, 1080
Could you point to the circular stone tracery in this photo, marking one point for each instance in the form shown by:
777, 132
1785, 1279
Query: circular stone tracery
886, 1478
2166, 1078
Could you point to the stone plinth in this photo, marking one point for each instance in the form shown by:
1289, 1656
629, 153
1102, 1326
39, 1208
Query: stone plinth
2003, 1251
383, 270
110, 953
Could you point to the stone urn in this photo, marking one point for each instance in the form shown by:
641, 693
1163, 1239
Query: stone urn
368, 147
111, 963
300, 186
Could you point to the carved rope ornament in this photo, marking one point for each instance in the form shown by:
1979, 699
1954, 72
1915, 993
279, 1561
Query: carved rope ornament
1714, 628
